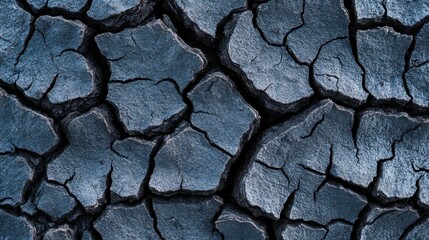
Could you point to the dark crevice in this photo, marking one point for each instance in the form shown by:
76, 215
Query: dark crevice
316, 124
147, 192
152, 213
360, 222
378, 195
27, 39
386, 21
287, 206
328, 170
206, 136
411, 227
213, 221
297, 27
99, 67
215, 62
312, 81
281, 169
254, 10
353, 28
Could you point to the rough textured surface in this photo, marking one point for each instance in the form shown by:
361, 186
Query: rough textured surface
53, 67
14, 30
238, 121
323, 22
129, 172
61, 233
193, 119
407, 12
174, 221
277, 18
326, 128
159, 52
339, 231
85, 163
69, 5
12, 227
270, 71
337, 73
420, 231
417, 76
334, 231
369, 9
420, 54
54, 200
14, 176
102, 9
387, 223
144, 105
314, 201
138, 223
418, 83
179, 170
402, 175
376, 134
381, 52
206, 15
233, 224
18, 122
290, 231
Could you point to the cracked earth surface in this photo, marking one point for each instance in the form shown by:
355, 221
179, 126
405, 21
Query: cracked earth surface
193, 119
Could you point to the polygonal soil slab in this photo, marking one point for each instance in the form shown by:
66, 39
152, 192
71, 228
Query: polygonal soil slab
102, 9
18, 122
12, 227
125, 222
92, 155
187, 218
129, 173
388, 223
15, 174
369, 9
324, 21
205, 16
417, 76
14, 29
381, 52
54, 200
407, 13
69, 5
227, 125
420, 231
61, 233
377, 132
85, 163
304, 26
269, 71
234, 224
277, 18
177, 169
52, 66
157, 51
145, 106
297, 231
405, 173
293, 158
98, 10
337, 73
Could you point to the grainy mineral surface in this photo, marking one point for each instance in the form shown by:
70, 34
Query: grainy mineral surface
226, 119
